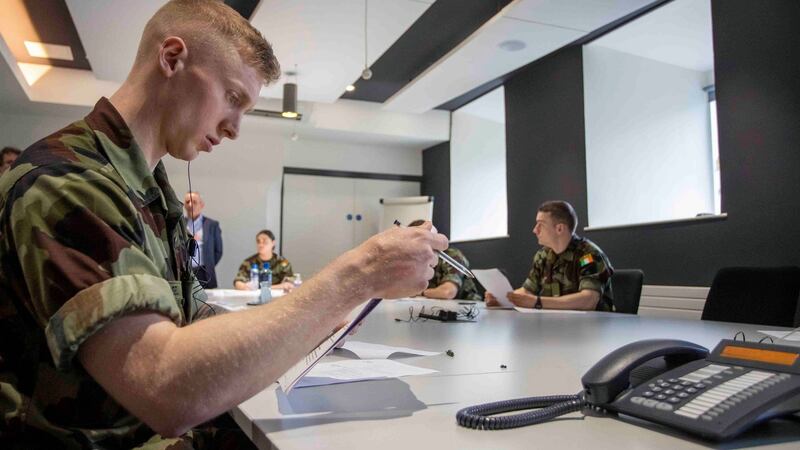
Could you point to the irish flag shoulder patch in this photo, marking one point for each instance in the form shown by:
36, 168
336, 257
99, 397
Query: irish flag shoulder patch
586, 260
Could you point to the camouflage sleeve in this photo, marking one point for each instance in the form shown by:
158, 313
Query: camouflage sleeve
78, 239
533, 283
445, 272
593, 271
283, 271
243, 274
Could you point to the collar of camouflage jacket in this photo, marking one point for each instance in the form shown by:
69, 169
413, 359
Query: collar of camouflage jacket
127, 158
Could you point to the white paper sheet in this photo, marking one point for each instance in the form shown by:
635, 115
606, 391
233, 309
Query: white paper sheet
358, 370
547, 311
366, 350
292, 376
495, 283
781, 334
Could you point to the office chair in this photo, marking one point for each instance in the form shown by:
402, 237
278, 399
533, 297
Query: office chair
756, 295
626, 284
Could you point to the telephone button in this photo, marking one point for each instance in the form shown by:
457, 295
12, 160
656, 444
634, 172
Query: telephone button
637, 400
706, 417
677, 387
661, 397
674, 400
657, 389
647, 394
672, 380
664, 385
699, 386
664, 406
683, 395
728, 372
691, 390
650, 403
686, 383
669, 392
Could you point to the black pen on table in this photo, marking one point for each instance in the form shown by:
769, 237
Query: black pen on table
449, 260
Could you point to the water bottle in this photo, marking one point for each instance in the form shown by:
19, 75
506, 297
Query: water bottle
265, 283
254, 276
297, 281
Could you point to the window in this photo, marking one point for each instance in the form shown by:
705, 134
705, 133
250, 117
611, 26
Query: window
648, 120
478, 206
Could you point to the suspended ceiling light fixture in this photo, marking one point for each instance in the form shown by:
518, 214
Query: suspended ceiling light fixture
366, 73
290, 97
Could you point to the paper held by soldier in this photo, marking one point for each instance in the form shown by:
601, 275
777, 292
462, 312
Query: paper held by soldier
496, 284
289, 379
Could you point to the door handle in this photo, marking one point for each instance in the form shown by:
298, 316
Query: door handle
358, 217
349, 217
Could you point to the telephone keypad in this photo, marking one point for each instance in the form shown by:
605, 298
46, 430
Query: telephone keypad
708, 392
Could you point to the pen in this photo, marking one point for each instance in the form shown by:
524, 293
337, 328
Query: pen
449, 260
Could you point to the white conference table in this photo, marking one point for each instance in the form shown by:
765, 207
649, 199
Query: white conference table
544, 354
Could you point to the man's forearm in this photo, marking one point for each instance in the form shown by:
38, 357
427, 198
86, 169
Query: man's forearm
583, 300
173, 389
444, 291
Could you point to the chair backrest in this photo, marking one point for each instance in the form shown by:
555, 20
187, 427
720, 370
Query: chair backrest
756, 295
626, 285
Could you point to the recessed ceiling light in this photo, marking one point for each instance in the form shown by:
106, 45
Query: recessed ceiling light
49, 51
512, 45
350, 88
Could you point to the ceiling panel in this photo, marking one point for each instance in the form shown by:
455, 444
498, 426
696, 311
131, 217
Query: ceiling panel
480, 60
110, 32
585, 15
325, 39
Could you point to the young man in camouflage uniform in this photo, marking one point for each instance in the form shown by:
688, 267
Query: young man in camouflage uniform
569, 272
99, 342
447, 282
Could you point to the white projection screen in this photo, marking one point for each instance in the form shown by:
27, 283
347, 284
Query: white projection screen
478, 206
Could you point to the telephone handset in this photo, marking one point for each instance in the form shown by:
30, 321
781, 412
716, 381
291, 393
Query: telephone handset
715, 395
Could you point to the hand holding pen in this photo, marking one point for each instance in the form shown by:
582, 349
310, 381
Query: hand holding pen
449, 260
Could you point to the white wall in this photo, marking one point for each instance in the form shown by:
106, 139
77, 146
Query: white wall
648, 155
22, 130
240, 180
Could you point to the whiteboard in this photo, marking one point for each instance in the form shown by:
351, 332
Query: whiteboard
405, 210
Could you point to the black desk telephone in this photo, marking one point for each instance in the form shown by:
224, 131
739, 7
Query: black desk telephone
674, 383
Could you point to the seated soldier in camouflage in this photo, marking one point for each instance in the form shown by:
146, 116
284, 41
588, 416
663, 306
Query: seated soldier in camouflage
569, 272
99, 342
447, 282
280, 266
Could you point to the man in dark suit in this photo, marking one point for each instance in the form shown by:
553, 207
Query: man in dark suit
208, 235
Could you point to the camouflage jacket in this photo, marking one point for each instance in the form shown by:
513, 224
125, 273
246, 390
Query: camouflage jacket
87, 234
280, 266
445, 272
581, 266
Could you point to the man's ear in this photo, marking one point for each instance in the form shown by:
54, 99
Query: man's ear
172, 56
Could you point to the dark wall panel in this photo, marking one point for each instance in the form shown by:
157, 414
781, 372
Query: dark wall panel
758, 104
436, 182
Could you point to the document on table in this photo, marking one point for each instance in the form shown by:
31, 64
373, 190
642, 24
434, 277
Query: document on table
365, 350
547, 311
296, 372
352, 370
783, 335
495, 283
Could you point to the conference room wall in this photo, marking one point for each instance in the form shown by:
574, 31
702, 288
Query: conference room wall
758, 105
241, 180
